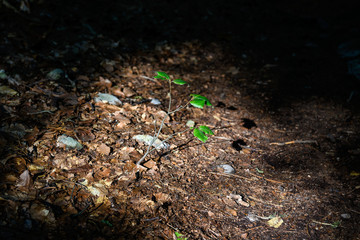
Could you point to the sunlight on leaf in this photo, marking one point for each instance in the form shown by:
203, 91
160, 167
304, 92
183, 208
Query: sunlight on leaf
200, 135
199, 98
159, 77
107, 223
179, 236
206, 130
275, 222
336, 224
198, 103
179, 82
162, 75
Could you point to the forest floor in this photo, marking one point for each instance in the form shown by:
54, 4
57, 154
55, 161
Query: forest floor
285, 118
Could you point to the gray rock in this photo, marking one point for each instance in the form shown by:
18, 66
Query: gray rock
227, 168
69, 142
345, 216
147, 139
56, 74
155, 101
107, 98
349, 49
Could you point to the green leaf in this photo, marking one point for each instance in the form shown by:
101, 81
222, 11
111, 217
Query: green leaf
200, 135
107, 223
206, 130
199, 103
336, 224
160, 77
199, 97
163, 75
179, 82
179, 236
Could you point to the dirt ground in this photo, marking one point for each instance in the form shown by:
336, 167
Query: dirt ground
285, 118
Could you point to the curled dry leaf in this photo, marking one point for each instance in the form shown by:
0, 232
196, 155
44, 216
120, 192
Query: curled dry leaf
128, 92
104, 82
85, 135
104, 149
150, 164
238, 199
159, 117
275, 222
41, 213
24, 180
161, 197
122, 121
100, 191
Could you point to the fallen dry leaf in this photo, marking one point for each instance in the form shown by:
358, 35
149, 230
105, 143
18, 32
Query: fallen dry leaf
238, 199
85, 135
275, 222
150, 164
104, 149
128, 92
41, 213
161, 197
24, 180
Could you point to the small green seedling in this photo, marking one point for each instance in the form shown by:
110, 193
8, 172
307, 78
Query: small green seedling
335, 224
196, 100
179, 236
107, 223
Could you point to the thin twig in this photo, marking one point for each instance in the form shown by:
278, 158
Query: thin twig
82, 211
40, 112
261, 201
267, 179
148, 78
232, 175
293, 142
168, 138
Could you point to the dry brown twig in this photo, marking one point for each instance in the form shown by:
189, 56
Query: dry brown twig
263, 202
293, 142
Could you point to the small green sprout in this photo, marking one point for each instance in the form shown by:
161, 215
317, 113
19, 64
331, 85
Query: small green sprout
162, 76
107, 222
199, 101
179, 236
201, 131
196, 100
336, 224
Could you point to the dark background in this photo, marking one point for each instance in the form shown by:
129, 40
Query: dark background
302, 36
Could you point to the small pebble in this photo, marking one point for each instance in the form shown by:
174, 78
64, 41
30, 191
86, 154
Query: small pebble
147, 139
252, 217
69, 142
190, 124
55, 74
107, 98
155, 101
227, 168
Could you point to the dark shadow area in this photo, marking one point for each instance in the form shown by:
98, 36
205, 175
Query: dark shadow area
298, 41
